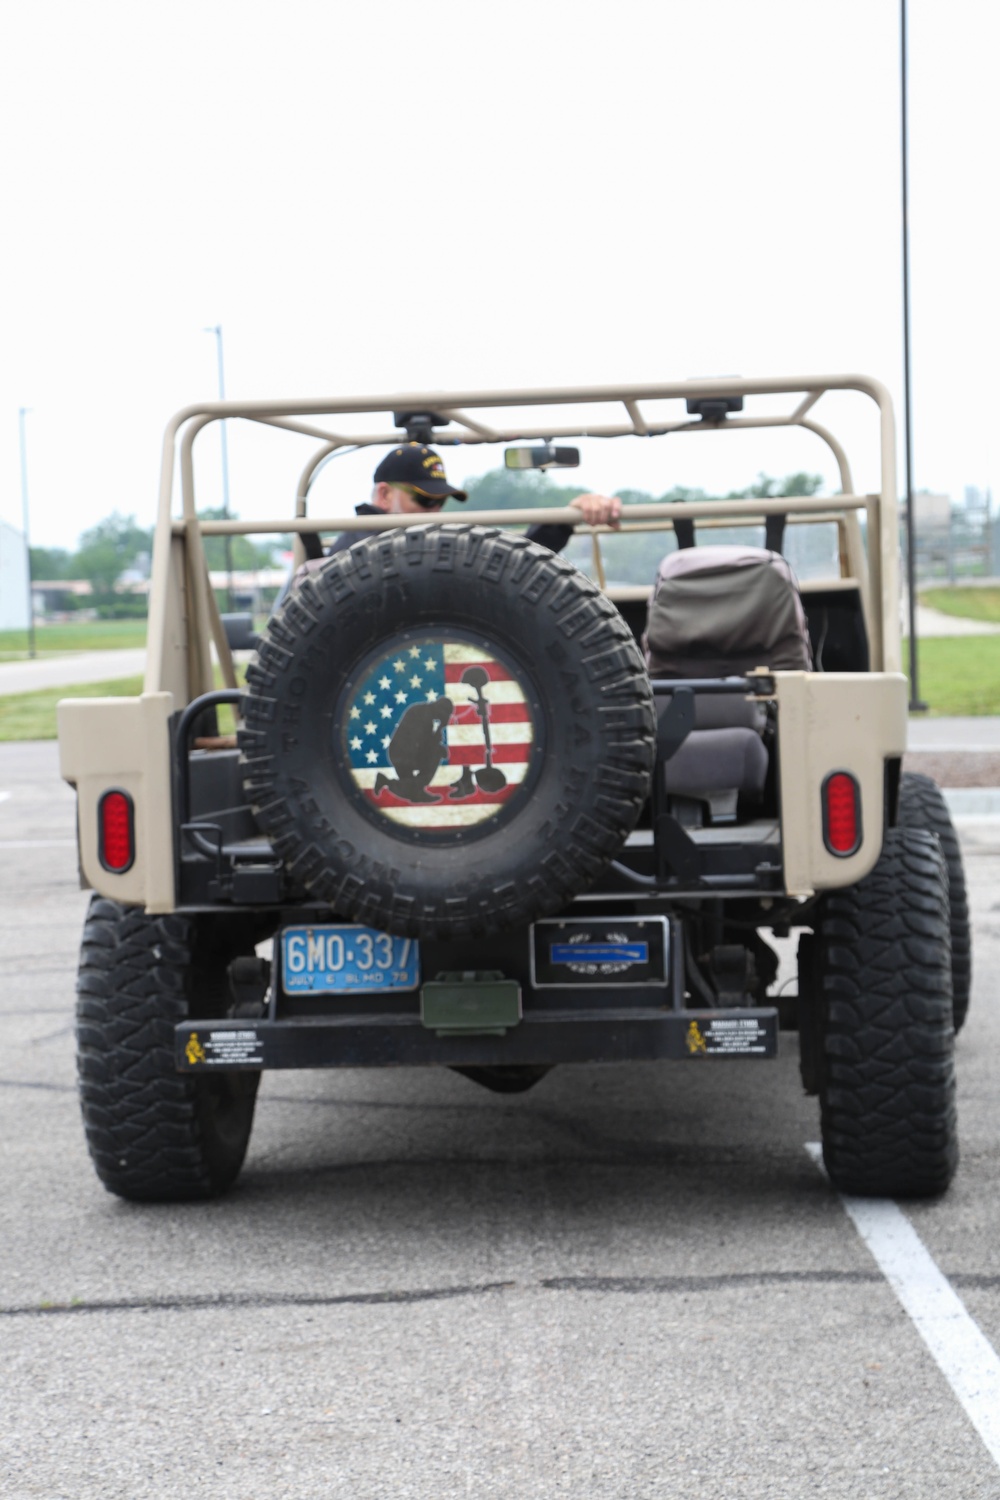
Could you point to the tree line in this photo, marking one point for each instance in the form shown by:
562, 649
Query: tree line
633, 558
118, 545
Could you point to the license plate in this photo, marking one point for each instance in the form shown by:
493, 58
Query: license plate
610, 951
346, 961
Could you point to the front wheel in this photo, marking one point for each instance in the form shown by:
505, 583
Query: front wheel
155, 1134
882, 1025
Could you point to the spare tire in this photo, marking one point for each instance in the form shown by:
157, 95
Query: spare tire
447, 731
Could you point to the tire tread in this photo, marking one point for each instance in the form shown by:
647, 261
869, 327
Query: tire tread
145, 1131
887, 1090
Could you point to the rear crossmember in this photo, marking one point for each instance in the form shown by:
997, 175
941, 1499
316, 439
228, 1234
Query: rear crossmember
639, 1034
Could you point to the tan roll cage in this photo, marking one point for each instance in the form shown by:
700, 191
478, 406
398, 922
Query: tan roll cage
184, 619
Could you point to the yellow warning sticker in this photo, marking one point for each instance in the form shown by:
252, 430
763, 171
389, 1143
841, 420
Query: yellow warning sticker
194, 1051
695, 1039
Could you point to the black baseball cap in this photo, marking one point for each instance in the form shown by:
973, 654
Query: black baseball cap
418, 467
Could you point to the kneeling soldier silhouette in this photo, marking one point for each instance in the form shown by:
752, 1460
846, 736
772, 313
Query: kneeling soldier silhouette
416, 750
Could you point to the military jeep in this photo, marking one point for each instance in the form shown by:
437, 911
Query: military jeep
492, 808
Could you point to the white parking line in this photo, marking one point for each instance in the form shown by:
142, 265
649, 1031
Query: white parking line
963, 1354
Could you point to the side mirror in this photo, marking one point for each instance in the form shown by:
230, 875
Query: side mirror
545, 457
239, 632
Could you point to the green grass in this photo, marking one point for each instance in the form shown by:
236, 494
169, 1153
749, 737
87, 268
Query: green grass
32, 716
958, 674
968, 603
85, 635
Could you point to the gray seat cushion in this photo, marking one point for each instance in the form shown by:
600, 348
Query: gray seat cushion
717, 760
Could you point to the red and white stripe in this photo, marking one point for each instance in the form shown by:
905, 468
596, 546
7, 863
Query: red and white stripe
511, 735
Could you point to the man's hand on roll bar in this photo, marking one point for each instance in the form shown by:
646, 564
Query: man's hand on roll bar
599, 510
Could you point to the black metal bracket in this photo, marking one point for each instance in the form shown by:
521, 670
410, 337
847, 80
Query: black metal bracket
185, 723
675, 723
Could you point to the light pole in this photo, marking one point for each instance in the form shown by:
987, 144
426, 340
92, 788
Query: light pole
228, 541
22, 412
911, 559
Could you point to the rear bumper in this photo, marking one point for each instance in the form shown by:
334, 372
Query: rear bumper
633, 1034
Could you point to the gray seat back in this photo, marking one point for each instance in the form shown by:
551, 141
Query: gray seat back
722, 611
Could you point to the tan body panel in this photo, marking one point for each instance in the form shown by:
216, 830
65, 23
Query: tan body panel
834, 721
124, 743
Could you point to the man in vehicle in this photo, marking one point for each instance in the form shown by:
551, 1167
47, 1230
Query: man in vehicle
411, 478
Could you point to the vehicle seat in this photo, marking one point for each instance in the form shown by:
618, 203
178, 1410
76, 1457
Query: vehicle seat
721, 612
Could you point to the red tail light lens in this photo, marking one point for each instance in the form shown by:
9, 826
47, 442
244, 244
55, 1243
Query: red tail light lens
116, 832
841, 814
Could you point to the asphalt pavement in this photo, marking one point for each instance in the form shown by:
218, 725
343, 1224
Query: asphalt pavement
32, 675
631, 1282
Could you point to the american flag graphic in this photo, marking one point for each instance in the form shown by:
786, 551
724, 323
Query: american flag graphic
439, 734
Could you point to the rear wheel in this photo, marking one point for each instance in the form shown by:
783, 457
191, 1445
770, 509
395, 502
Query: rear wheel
883, 1038
154, 1133
922, 805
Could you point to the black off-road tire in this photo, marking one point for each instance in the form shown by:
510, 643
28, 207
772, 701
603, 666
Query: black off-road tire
155, 1134
886, 1039
339, 641
922, 805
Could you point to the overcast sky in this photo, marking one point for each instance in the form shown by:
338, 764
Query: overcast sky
395, 196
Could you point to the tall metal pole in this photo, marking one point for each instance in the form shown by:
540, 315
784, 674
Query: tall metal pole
217, 330
911, 549
22, 412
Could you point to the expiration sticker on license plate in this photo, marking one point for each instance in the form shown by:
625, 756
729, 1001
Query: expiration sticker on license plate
346, 960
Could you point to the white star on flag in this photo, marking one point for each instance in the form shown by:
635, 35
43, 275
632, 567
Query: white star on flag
356, 743
372, 756
414, 650
399, 665
385, 711
384, 682
400, 697
369, 727
355, 713
369, 698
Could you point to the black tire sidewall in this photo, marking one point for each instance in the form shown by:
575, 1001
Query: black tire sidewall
886, 1075
922, 805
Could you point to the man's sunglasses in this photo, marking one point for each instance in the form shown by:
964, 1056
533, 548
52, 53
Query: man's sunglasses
426, 502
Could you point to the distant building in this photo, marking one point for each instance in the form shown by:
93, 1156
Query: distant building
933, 511
13, 579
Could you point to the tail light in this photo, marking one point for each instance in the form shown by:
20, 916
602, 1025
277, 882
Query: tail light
116, 831
841, 814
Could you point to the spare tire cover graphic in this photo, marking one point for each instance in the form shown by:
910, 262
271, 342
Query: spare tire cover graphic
438, 733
